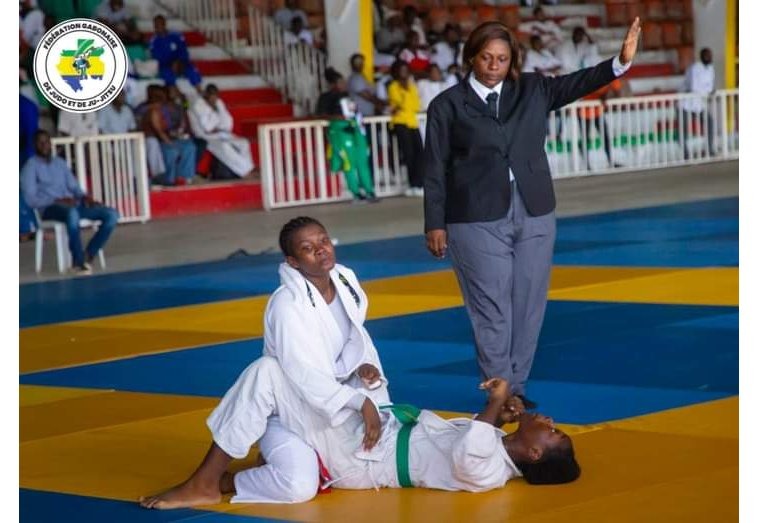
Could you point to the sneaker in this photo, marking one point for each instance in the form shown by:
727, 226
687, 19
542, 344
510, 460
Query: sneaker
359, 200
81, 270
409, 193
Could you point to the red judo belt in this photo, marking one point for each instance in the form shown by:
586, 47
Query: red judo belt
324, 477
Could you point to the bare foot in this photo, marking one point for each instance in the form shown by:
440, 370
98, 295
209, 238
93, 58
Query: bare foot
187, 494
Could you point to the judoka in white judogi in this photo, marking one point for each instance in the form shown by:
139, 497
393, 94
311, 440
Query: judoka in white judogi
460, 454
210, 120
320, 347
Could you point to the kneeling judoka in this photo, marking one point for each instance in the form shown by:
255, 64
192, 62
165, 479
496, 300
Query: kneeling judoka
314, 327
416, 448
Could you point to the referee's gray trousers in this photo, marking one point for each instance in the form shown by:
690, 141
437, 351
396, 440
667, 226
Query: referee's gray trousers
503, 268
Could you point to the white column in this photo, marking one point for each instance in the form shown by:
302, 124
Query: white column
343, 32
709, 25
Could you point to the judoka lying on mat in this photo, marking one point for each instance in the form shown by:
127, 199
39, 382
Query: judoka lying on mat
416, 448
314, 329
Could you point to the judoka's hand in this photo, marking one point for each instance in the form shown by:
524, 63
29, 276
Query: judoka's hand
368, 373
498, 390
372, 425
437, 242
511, 410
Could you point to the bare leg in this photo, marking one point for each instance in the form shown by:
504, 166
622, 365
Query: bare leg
202, 488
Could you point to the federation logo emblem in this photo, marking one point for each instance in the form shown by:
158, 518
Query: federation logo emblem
80, 65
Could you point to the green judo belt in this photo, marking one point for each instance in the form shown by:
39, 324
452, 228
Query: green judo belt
408, 416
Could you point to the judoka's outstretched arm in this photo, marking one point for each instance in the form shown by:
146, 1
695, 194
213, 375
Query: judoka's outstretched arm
498, 395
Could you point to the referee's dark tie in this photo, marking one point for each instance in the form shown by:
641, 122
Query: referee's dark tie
492, 99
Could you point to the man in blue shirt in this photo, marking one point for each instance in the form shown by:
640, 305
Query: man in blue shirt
49, 186
170, 50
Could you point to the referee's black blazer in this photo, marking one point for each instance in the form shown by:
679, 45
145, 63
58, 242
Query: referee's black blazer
467, 153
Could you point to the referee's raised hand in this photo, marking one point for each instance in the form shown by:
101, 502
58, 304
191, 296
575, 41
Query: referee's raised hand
630, 45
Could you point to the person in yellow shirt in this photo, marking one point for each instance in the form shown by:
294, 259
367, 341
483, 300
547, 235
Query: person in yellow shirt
404, 101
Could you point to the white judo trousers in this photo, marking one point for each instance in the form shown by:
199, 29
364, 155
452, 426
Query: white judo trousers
451, 455
291, 474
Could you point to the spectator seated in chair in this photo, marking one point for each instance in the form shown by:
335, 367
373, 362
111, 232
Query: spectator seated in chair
116, 117
166, 121
49, 186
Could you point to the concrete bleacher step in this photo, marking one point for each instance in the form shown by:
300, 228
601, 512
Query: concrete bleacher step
221, 67
206, 198
566, 10
649, 70
616, 34
192, 38
233, 97
208, 52
651, 85
145, 25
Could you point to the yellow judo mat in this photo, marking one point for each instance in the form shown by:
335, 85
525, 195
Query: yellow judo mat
678, 465
674, 465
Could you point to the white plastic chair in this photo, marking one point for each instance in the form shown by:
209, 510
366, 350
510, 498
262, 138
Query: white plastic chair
62, 252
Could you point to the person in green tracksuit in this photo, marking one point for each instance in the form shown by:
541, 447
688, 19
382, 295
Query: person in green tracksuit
349, 150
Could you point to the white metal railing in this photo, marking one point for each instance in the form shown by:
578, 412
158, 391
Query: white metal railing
587, 137
216, 19
294, 168
642, 133
295, 69
112, 168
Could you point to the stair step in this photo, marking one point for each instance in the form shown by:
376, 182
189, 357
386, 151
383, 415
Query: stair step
145, 25
207, 198
234, 97
220, 67
646, 70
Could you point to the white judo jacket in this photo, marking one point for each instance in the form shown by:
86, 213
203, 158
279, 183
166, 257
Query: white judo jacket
300, 332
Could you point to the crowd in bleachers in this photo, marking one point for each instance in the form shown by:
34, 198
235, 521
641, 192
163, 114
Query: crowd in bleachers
178, 130
417, 55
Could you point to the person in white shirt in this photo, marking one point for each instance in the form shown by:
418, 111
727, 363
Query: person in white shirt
578, 53
448, 51
210, 121
298, 33
114, 14
431, 86
117, 117
548, 30
417, 448
77, 124
32, 22
699, 79
540, 60
284, 15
